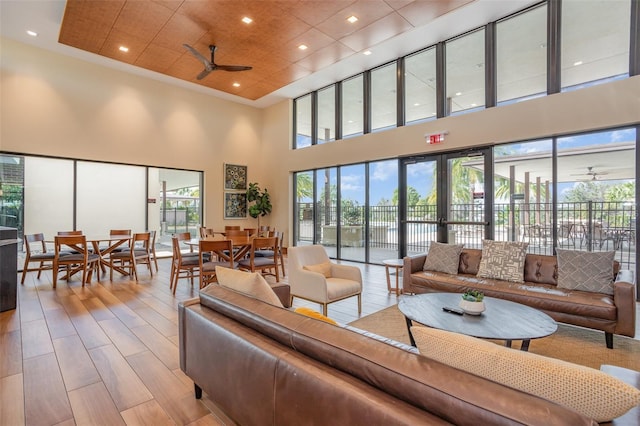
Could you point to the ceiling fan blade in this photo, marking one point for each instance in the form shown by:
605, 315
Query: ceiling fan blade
194, 52
233, 67
205, 72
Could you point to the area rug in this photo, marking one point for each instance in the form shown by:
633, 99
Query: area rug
569, 343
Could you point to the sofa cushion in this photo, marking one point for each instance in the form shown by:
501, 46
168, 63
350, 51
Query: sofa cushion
587, 271
323, 268
503, 260
443, 257
583, 389
249, 283
308, 312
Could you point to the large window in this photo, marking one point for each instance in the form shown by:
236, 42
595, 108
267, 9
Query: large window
303, 121
384, 97
420, 86
465, 72
352, 212
521, 55
327, 209
327, 114
595, 41
352, 106
305, 207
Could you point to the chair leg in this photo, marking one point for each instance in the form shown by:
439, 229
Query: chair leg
324, 309
359, 303
40, 269
55, 273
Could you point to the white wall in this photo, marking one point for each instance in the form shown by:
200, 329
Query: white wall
59, 106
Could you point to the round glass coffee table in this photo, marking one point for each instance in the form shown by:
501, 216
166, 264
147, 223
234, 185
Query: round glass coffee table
502, 319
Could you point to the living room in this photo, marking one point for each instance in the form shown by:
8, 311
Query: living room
63, 107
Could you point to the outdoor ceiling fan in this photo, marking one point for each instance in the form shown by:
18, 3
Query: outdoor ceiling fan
590, 172
210, 65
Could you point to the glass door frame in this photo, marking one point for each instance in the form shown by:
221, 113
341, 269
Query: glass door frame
442, 184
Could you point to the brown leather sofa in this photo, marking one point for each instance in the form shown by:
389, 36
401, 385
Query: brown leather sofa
266, 365
612, 314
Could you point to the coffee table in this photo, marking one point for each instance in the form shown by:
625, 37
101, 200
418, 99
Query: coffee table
502, 319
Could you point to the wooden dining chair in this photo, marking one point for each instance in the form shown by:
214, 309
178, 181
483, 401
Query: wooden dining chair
271, 253
252, 231
206, 232
153, 248
182, 266
263, 264
80, 260
222, 251
36, 252
117, 233
231, 228
139, 252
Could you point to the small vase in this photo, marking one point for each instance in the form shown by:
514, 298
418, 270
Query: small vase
472, 308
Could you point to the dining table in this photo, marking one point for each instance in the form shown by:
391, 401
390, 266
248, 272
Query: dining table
241, 244
112, 242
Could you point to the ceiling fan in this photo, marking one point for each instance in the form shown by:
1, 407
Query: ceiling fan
210, 65
590, 172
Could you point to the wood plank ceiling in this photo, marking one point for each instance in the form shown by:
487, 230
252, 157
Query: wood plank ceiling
155, 31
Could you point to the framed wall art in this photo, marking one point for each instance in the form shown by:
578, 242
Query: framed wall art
235, 205
235, 177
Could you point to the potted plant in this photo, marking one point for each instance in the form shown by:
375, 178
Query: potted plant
472, 302
261, 202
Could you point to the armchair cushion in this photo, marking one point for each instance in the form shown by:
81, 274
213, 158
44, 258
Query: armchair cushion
323, 268
249, 283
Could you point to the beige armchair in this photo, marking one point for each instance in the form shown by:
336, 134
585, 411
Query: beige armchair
322, 281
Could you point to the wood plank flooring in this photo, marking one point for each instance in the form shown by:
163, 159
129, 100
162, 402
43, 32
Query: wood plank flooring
107, 354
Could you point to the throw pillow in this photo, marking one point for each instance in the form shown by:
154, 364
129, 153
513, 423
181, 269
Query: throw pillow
588, 391
308, 312
587, 271
443, 257
323, 268
249, 283
503, 260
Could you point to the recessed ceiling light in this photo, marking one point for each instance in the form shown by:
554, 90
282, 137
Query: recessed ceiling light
352, 19
247, 20
123, 49
236, 84
32, 33
416, 104
366, 52
303, 47
458, 93
575, 64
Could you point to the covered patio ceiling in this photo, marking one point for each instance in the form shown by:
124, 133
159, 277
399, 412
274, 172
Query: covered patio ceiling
615, 161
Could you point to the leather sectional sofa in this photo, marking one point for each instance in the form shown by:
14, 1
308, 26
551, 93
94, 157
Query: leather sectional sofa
612, 314
262, 365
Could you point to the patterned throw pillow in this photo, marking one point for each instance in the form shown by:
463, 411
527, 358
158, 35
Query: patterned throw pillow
443, 257
586, 390
586, 271
503, 260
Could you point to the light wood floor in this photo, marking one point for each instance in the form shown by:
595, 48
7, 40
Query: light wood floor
107, 354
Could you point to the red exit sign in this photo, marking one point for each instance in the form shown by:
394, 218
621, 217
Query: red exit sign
434, 139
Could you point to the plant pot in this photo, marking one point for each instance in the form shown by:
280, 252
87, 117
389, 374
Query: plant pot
472, 308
